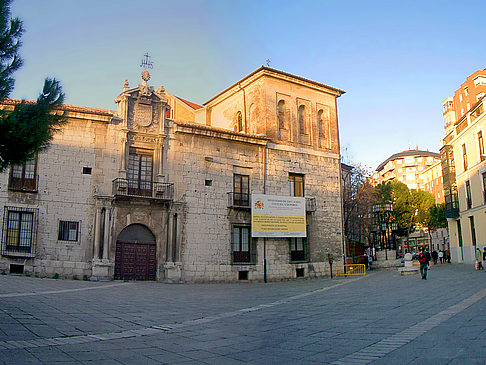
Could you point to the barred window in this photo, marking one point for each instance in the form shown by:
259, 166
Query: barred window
19, 230
68, 231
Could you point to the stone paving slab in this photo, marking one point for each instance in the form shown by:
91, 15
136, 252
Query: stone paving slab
382, 318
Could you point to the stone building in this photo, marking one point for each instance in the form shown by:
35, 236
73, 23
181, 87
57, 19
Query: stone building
161, 188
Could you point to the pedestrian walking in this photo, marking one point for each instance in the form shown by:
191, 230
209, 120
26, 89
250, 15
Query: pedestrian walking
424, 259
479, 259
435, 256
447, 256
484, 256
441, 256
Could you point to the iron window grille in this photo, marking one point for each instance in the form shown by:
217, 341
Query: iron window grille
68, 231
19, 234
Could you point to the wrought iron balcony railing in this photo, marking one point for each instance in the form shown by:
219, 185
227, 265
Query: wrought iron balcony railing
143, 189
239, 200
310, 204
23, 184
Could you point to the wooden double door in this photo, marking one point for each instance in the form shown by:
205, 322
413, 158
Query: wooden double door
135, 261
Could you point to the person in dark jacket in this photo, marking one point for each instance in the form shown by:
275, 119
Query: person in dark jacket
424, 259
435, 256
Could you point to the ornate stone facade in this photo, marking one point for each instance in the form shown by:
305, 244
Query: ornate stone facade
160, 188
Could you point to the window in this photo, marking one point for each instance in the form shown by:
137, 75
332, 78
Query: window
296, 183
239, 122
473, 230
464, 156
466, 91
459, 232
24, 177
460, 97
19, 230
323, 126
484, 186
282, 115
298, 249
302, 119
481, 146
241, 249
68, 231
241, 190
140, 172
468, 195
480, 80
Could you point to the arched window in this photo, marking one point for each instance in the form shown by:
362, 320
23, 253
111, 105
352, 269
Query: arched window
301, 118
323, 126
281, 114
239, 122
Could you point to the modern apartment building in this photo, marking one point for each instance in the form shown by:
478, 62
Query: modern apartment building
431, 180
464, 170
160, 189
470, 92
406, 167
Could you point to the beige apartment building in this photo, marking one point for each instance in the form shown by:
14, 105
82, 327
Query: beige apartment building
160, 189
408, 167
464, 170
431, 180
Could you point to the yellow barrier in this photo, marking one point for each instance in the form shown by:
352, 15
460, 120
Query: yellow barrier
350, 269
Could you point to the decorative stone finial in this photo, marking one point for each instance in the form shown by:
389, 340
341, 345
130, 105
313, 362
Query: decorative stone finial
125, 86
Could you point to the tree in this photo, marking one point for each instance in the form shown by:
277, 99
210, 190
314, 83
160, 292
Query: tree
30, 126
437, 217
357, 202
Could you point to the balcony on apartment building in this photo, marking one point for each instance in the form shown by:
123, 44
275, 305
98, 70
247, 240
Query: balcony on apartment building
143, 189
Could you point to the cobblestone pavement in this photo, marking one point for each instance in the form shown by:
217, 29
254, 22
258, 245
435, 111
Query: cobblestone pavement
382, 319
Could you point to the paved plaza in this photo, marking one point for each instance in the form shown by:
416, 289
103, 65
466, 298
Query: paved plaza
382, 318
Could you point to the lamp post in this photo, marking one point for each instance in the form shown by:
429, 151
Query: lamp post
383, 214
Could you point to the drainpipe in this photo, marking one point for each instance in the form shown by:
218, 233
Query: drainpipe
264, 192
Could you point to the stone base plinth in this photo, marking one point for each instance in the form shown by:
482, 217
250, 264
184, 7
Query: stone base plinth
172, 272
411, 270
102, 270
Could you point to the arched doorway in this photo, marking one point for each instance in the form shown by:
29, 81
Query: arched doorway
135, 254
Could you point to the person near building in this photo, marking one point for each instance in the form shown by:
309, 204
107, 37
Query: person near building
424, 259
484, 256
447, 256
435, 256
479, 259
441, 256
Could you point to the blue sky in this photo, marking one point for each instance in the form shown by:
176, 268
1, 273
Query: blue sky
396, 60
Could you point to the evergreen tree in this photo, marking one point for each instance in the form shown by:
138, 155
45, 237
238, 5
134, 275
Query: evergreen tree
30, 126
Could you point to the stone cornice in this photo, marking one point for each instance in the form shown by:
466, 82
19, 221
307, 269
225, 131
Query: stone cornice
203, 130
306, 151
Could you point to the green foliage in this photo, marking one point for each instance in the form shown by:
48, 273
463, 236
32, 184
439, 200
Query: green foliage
410, 207
85, 278
30, 126
437, 217
10, 32
55, 276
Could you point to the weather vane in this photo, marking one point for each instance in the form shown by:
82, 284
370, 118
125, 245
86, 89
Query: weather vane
146, 63
268, 62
